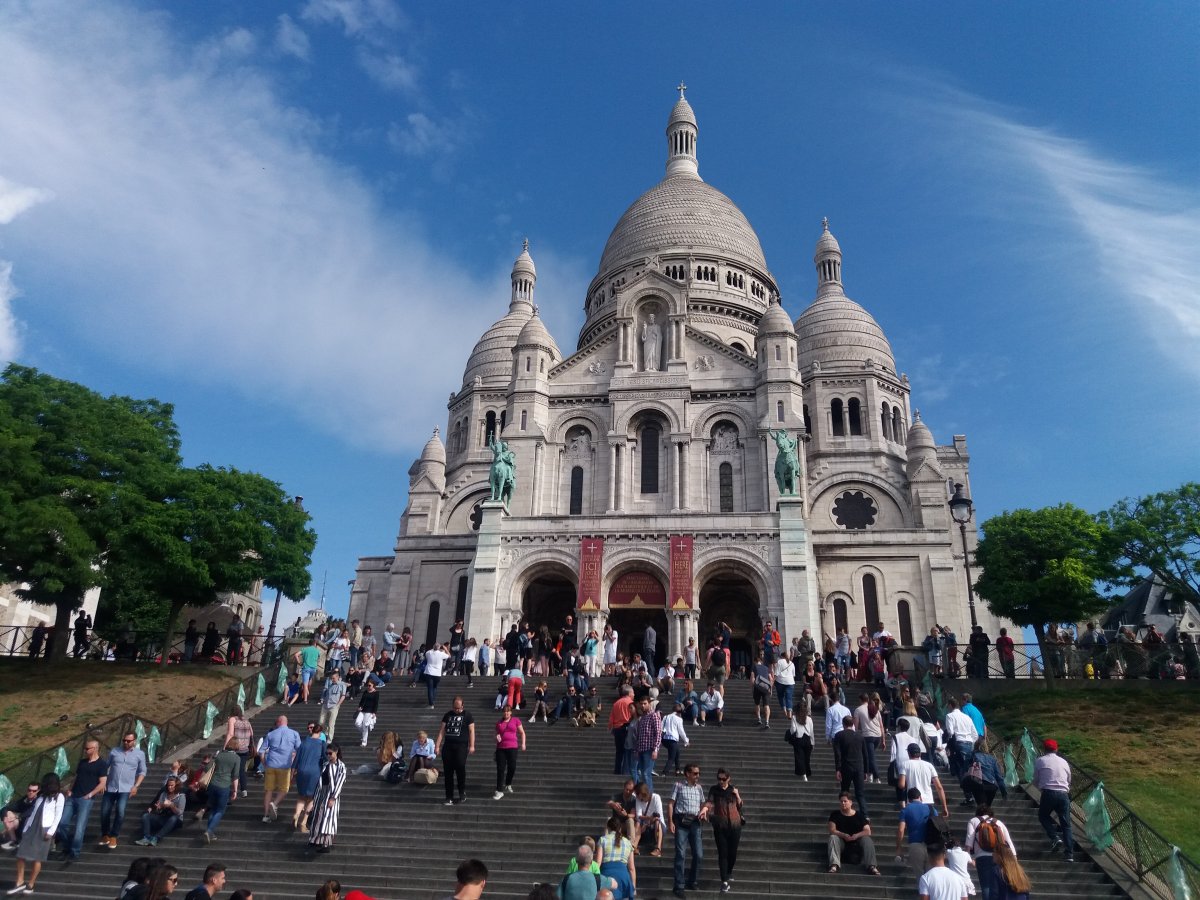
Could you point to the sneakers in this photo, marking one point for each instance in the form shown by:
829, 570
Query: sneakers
112, 843
499, 795
208, 837
508, 789
725, 887
274, 808
144, 842
448, 803
266, 819
533, 718
11, 845
806, 778
245, 794
1055, 844
19, 889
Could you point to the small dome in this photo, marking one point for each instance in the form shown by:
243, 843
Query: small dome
492, 356
524, 263
836, 330
775, 321
919, 435
682, 113
922, 450
434, 451
826, 244
534, 334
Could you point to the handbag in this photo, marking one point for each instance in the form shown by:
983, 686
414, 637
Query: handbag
206, 778
893, 777
684, 821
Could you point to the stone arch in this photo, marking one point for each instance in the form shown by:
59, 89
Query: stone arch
548, 561
887, 610
727, 560
623, 424
710, 415
661, 289
822, 490
732, 589
458, 518
633, 559
556, 432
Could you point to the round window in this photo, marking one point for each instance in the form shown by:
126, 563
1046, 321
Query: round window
854, 511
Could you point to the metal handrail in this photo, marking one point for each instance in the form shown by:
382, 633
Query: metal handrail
136, 646
177, 731
1138, 846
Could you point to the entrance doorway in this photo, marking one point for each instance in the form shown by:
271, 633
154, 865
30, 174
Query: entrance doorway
630, 625
733, 600
548, 600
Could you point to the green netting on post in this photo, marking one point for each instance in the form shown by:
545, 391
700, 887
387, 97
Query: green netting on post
139, 731
1011, 780
62, 765
1030, 756
153, 743
1181, 888
6, 791
260, 689
281, 683
210, 715
241, 701
1099, 825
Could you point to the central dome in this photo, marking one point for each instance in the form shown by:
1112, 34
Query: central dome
682, 214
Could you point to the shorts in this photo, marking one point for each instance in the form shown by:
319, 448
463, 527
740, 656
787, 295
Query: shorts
307, 674
761, 697
717, 674
277, 780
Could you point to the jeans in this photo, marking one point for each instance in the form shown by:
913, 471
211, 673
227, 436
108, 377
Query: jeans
189, 650
688, 836
156, 826
872, 744
856, 781
455, 758
380, 680
431, 686
727, 840
672, 748
217, 802
644, 768
112, 813
354, 651
1057, 803
619, 748
783, 692
506, 767
75, 813
985, 865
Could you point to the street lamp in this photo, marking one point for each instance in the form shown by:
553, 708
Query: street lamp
299, 502
960, 510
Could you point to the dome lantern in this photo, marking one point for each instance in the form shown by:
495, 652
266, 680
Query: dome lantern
828, 260
681, 138
524, 277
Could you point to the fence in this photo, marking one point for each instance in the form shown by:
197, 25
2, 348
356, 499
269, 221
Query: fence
174, 733
134, 646
1157, 864
1116, 659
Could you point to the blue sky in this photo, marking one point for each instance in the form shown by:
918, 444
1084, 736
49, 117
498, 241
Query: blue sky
262, 212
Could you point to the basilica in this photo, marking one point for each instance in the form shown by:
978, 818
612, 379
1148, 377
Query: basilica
645, 488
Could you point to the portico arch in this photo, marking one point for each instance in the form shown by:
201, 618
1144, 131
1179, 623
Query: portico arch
635, 595
548, 591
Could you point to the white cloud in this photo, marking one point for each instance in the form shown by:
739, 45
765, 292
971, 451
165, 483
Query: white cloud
420, 136
17, 198
389, 70
196, 230
358, 18
9, 332
291, 39
1143, 230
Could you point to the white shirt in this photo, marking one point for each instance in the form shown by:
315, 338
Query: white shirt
712, 701
785, 672
918, 774
959, 727
672, 729
800, 729
434, 660
666, 672
957, 860
690, 654
941, 883
971, 844
470, 653
833, 720
652, 807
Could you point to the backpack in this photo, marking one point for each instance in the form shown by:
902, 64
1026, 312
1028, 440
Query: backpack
937, 831
395, 772
987, 835
718, 658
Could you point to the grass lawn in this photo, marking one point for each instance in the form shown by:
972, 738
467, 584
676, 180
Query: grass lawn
1141, 743
41, 706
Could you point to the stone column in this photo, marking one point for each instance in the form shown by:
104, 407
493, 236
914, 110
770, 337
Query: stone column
674, 456
481, 598
539, 453
800, 596
612, 477
685, 476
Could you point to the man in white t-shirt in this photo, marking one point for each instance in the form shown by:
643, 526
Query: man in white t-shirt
712, 703
435, 663
940, 882
914, 772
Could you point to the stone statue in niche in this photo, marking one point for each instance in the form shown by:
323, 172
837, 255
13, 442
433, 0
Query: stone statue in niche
725, 440
787, 463
651, 344
579, 442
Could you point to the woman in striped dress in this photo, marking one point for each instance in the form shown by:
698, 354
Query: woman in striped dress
326, 803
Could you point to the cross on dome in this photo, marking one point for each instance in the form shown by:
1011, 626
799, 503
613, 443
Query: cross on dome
824, 224
525, 244
681, 88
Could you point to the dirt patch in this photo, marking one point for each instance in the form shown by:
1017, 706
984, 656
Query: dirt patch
41, 706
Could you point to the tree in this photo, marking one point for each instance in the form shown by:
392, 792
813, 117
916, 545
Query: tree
75, 467
1159, 534
1041, 566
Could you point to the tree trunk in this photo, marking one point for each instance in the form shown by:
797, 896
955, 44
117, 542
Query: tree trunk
172, 617
59, 640
1047, 669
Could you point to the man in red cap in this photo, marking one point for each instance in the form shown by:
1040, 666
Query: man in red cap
1052, 776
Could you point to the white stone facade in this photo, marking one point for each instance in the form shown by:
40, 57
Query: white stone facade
659, 425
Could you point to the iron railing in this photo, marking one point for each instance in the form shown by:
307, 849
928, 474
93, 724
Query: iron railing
1169, 660
176, 732
135, 646
1137, 846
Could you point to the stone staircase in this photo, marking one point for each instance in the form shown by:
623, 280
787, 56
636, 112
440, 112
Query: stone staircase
398, 842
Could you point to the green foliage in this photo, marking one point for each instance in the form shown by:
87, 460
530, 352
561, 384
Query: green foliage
1041, 566
1159, 534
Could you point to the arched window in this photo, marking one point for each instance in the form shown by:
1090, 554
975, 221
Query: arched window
835, 413
489, 427
807, 420
577, 491
503, 419
725, 477
431, 629
779, 410
737, 345
778, 353
840, 618
460, 602
524, 418
905, 616
650, 459
528, 363
855, 416
885, 422
541, 365
897, 425
871, 602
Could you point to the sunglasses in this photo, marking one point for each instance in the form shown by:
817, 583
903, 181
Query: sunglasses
722, 778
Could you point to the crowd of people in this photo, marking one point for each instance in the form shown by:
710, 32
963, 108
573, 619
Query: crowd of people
890, 732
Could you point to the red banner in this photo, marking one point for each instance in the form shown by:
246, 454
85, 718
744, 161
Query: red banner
637, 590
591, 564
681, 572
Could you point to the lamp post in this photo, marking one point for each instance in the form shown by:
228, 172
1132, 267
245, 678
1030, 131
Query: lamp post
960, 510
299, 502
